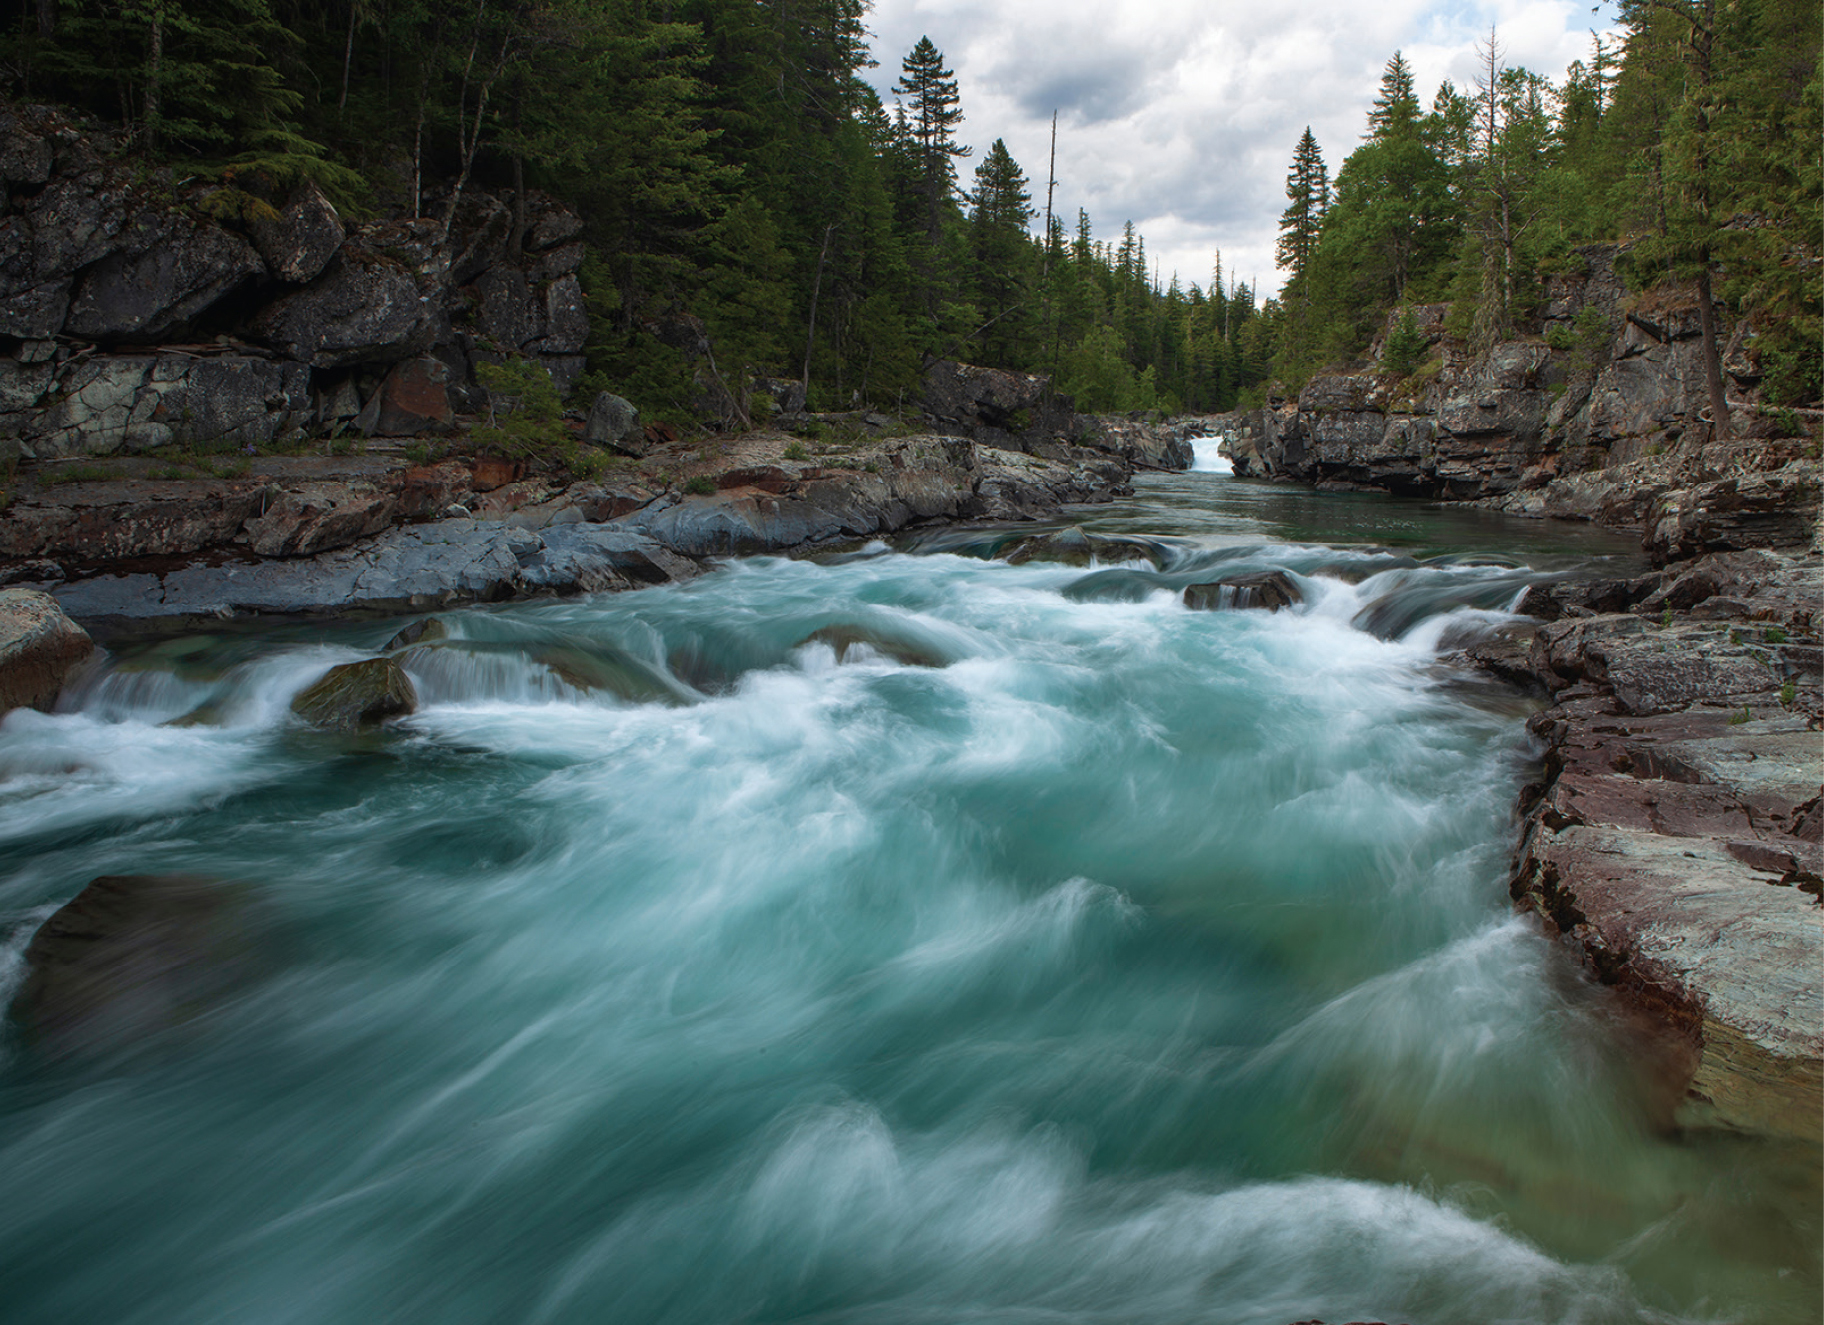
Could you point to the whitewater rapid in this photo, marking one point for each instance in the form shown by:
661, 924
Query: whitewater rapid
1053, 953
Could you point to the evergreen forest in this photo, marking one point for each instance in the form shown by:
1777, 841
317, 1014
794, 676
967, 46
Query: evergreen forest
732, 163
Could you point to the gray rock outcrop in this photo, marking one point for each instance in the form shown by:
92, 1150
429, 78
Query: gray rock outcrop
1604, 418
289, 319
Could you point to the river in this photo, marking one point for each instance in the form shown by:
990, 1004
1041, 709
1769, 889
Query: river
1056, 954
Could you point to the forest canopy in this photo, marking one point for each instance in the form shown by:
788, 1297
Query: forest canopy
731, 162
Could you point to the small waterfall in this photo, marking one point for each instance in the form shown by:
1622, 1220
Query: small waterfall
1207, 457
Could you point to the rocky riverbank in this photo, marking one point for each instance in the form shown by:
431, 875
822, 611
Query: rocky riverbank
313, 535
1674, 837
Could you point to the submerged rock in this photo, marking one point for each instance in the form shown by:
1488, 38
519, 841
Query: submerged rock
1270, 590
426, 631
1072, 547
39, 646
356, 696
614, 673
845, 638
132, 954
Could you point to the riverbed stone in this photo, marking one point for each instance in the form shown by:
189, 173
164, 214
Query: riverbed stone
357, 696
132, 955
39, 648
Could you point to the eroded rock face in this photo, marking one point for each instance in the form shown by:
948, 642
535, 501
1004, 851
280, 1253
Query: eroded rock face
91, 251
357, 696
130, 956
1606, 420
39, 648
142, 402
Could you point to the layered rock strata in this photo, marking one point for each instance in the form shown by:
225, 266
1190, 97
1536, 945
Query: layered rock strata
585, 538
1675, 835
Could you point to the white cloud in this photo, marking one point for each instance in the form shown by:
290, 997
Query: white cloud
1181, 115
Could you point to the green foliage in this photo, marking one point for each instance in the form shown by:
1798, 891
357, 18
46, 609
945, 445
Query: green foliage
1406, 346
796, 451
700, 486
1774, 635
527, 416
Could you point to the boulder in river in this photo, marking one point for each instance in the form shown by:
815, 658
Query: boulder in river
39, 646
129, 955
1271, 590
609, 671
356, 696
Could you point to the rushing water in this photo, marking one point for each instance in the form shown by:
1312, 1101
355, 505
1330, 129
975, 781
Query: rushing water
1057, 954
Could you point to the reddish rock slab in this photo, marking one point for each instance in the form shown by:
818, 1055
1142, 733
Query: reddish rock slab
490, 473
414, 398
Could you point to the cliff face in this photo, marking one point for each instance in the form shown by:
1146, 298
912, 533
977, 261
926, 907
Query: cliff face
1605, 417
140, 311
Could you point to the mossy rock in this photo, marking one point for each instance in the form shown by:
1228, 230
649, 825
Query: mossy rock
357, 696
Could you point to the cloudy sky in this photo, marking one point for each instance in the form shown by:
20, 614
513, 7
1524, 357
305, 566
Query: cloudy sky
1181, 115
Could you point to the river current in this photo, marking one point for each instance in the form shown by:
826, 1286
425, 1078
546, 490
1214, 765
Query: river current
1027, 948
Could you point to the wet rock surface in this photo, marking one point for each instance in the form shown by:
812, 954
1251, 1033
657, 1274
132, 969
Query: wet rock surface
1675, 835
1268, 591
357, 696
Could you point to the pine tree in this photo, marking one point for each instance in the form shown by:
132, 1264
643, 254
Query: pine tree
1396, 110
1308, 192
935, 113
1002, 253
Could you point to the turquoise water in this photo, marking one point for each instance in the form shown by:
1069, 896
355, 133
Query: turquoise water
1064, 956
